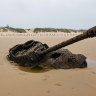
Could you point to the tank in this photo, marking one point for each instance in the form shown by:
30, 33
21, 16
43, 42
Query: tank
34, 53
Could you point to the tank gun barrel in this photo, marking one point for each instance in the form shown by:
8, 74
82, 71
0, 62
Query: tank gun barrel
88, 34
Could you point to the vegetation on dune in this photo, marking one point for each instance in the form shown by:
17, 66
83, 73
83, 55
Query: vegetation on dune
7, 28
3, 29
28, 29
36, 30
17, 30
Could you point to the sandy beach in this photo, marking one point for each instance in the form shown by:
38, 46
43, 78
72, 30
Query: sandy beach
14, 81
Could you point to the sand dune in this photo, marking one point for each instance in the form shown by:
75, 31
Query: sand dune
14, 81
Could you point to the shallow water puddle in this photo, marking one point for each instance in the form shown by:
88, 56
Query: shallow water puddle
91, 63
33, 70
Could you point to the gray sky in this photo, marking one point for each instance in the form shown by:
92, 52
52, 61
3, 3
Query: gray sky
76, 14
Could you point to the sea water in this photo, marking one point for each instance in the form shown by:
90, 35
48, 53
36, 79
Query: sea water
91, 63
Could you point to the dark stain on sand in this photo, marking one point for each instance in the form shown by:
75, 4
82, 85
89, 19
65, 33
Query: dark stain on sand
93, 72
48, 91
58, 84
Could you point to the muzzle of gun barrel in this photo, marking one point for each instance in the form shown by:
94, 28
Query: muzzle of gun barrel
91, 32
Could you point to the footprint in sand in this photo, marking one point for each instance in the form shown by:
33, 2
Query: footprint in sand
22, 73
58, 84
73, 88
93, 72
46, 77
9, 93
48, 91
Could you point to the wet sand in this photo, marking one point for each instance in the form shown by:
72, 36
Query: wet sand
14, 81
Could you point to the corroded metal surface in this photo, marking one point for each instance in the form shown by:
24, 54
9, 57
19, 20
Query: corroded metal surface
25, 54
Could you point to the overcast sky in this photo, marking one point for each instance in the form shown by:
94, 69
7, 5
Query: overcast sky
75, 14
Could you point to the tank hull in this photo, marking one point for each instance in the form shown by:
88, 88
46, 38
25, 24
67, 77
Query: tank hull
25, 54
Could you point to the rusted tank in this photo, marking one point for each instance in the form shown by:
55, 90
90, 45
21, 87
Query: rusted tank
34, 53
